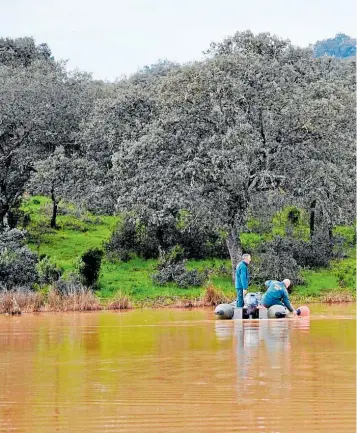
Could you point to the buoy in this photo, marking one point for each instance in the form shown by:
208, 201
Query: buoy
303, 311
224, 311
276, 312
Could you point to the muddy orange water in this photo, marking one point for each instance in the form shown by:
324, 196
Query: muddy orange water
178, 371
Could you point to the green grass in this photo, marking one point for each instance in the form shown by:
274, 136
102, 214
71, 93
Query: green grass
73, 237
78, 231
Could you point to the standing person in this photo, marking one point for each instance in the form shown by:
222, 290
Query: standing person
242, 279
277, 294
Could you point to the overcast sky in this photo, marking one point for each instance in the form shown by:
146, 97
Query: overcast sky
114, 37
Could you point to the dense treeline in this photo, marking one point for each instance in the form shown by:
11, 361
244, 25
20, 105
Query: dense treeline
188, 154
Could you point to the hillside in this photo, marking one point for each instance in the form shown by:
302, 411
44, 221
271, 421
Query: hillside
77, 232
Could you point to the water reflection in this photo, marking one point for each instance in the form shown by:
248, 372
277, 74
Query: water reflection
262, 347
224, 329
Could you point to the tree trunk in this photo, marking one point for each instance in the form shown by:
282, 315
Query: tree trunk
54, 209
312, 218
235, 250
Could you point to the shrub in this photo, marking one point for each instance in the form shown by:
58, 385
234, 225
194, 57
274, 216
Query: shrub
315, 253
47, 271
70, 286
133, 236
172, 270
276, 261
17, 262
89, 266
347, 233
346, 273
18, 217
130, 238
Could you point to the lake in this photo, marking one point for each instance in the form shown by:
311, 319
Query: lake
170, 370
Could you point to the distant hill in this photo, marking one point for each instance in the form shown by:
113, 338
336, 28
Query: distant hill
341, 45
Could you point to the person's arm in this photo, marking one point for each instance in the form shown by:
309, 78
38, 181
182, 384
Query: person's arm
286, 301
244, 278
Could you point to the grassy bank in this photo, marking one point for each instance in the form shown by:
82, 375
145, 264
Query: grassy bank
78, 231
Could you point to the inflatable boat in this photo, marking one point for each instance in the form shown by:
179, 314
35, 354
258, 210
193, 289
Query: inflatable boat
252, 309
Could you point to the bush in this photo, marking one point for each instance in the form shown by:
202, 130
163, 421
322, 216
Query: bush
130, 238
172, 270
136, 237
17, 217
272, 266
346, 273
313, 254
70, 286
276, 261
17, 262
344, 240
47, 271
89, 266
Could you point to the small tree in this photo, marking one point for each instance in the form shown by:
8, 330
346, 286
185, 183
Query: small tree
89, 266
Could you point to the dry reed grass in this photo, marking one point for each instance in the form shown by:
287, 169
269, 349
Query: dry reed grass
213, 297
28, 302
119, 302
81, 301
18, 302
338, 297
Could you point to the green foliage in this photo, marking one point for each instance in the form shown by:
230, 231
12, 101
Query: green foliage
89, 266
251, 241
291, 221
347, 234
133, 236
316, 283
48, 272
66, 244
345, 272
134, 278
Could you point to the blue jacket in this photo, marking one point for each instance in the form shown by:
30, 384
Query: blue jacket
276, 294
242, 276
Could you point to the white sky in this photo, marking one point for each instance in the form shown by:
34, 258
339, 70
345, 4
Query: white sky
114, 37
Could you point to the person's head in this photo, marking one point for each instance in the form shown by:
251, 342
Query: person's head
287, 283
247, 258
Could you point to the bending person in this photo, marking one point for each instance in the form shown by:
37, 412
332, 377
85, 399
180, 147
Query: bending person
277, 294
